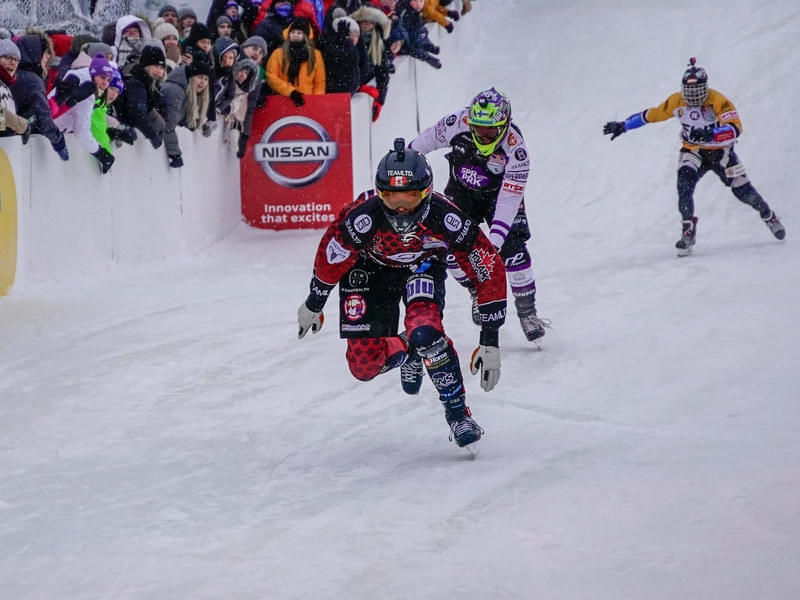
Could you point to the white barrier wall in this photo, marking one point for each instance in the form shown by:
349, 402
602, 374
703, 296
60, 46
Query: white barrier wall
72, 220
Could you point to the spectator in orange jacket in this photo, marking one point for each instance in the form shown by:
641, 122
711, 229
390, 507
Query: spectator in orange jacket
297, 68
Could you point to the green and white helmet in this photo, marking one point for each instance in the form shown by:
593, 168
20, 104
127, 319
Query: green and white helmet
488, 119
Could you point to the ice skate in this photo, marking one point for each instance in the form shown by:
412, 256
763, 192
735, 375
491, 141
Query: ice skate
412, 372
532, 325
686, 243
463, 428
775, 226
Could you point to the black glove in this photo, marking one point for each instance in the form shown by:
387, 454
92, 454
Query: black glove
343, 28
156, 140
615, 128
26, 135
262, 95
242, 145
297, 98
123, 134
175, 161
453, 14
105, 158
433, 61
450, 27
60, 146
702, 134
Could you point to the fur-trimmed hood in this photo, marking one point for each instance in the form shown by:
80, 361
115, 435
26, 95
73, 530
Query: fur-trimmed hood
375, 15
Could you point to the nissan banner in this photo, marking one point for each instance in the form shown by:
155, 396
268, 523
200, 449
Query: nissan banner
298, 169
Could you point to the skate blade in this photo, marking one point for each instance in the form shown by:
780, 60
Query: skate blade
472, 449
685, 251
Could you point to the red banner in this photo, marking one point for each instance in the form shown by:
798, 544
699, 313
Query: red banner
298, 169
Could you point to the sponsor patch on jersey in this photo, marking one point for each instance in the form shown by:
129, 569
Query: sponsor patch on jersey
520, 154
513, 188
419, 287
694, 115
451, 120
735, 171
453, 222
430, 242
482, 263
355, 307
336, 253
404, 257
496, 163
729, 116
472, 176
512, 140
359, 327
363, 223
358, 278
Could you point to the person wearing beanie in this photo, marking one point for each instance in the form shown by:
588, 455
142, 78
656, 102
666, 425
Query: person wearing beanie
169, 14
242, 14
297, 68
104, 126
247, 89
224, 26
199, 39
29, 89
168, 34
88, 86
255, 48
186, 20
141, 103
187, 98
10, 122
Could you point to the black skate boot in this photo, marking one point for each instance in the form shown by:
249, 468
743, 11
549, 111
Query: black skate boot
775, 225
476, 313
412, 372
532, 326
686, 243
463, 428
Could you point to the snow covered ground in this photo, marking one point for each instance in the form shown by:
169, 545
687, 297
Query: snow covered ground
163, 434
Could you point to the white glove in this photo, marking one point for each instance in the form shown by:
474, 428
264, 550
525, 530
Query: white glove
486, 359
308, 319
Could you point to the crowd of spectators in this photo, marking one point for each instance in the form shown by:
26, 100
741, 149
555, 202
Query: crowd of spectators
146, 78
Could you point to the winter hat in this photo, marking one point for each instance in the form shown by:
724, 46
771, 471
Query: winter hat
352, 25
338, 12
100, 66
152, 55
61, 43
167, 8
223, 44
200, 31
232, 3
281, 9
95, 48
8, 48
257, 41
198, 66
224, 20
164, 30
186, 11
116, 81
301, 24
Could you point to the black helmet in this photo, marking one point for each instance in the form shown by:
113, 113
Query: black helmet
402, 170
694, 84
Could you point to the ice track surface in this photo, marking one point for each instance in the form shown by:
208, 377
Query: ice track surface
163, 434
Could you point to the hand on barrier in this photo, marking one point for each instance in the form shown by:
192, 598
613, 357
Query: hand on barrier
60, 146
297, 98
122, 134
450, 27
376, 110
156, 141
308, 319
486, 359
240, 152
105, 158
370, 90
175, 161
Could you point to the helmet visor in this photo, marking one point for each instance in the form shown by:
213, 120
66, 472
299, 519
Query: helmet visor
695, 93
485, 135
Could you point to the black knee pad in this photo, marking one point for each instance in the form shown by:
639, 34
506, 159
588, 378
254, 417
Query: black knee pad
428, 340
